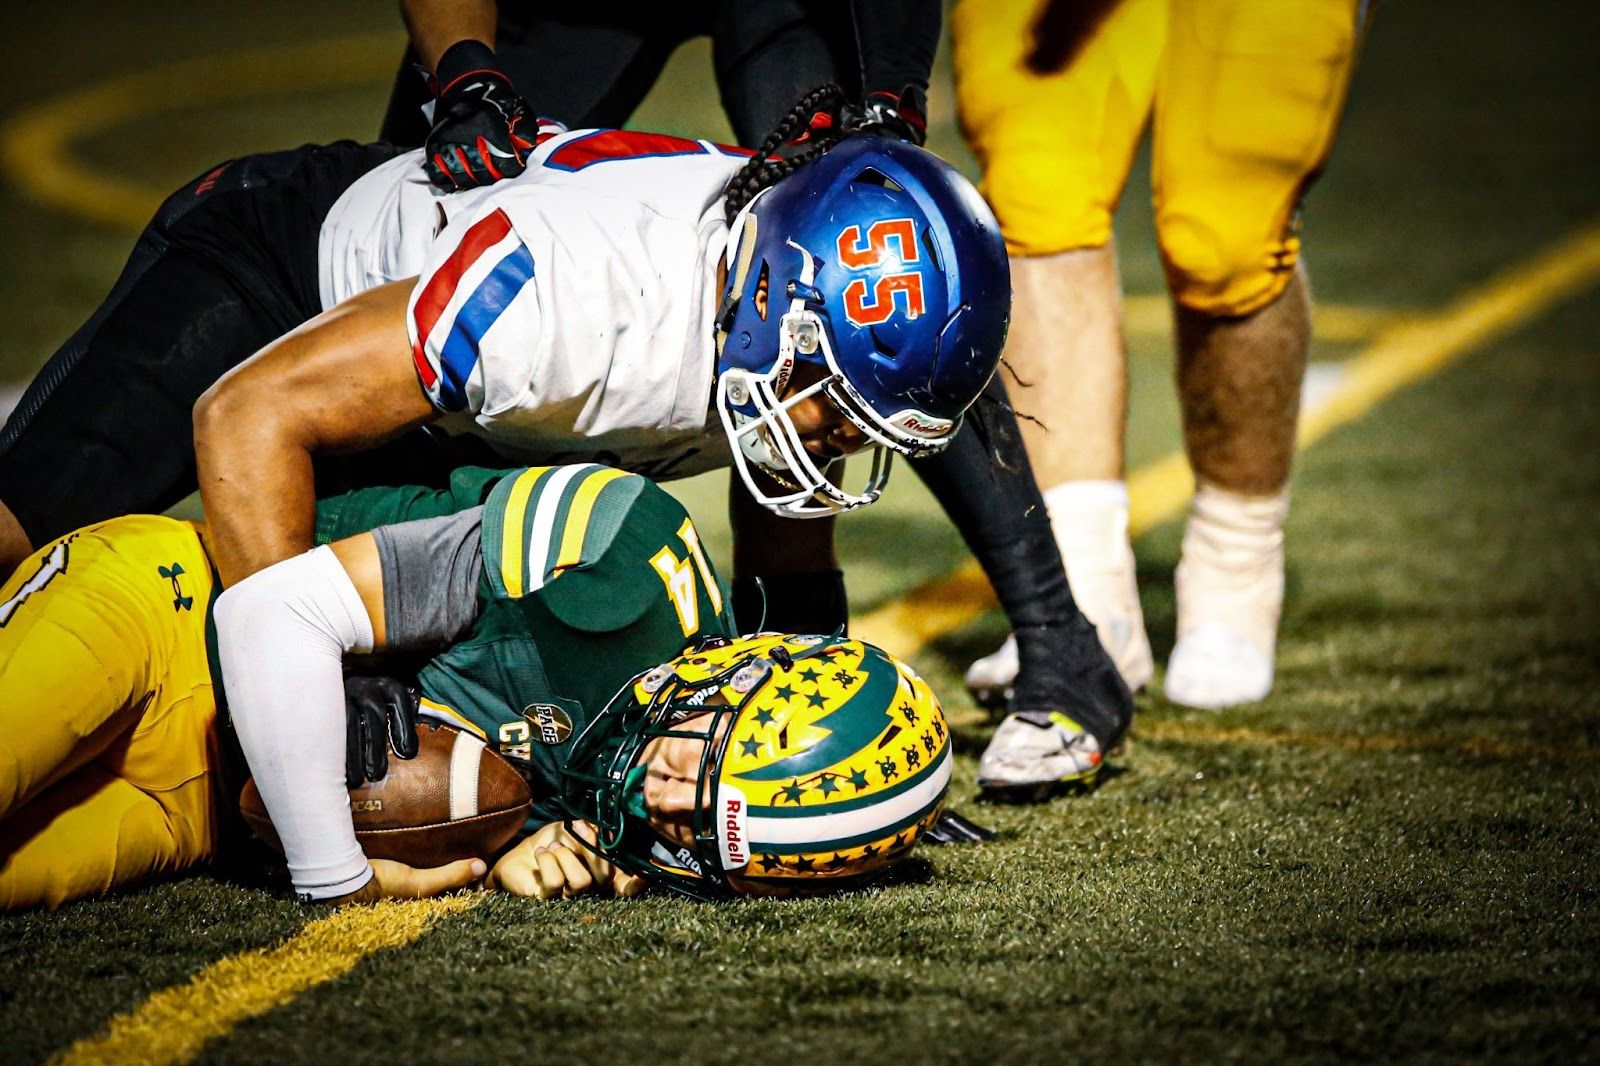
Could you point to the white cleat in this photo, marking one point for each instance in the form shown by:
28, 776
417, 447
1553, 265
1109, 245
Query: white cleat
1212, 667
990, 678
1034, 754
1230, 594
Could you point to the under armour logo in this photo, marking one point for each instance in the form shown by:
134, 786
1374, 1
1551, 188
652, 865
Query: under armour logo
180, 602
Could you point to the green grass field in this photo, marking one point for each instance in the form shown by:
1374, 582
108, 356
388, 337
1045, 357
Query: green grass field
1394, 856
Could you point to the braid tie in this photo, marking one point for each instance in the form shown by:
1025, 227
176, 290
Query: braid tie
762, 171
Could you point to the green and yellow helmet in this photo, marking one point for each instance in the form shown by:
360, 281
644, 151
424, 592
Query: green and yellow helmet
825, 760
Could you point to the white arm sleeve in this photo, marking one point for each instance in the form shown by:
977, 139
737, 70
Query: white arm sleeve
282, 635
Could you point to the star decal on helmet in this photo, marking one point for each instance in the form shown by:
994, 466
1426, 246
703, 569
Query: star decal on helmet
791, 747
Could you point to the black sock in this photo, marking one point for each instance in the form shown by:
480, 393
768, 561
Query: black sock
986, 486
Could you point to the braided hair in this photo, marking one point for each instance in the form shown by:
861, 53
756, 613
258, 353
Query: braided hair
782, 153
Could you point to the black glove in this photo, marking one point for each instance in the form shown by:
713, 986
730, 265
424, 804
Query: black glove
902, 115
379, 713
478, 121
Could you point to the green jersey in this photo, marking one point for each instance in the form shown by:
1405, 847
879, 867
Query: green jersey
364, 510
586, 576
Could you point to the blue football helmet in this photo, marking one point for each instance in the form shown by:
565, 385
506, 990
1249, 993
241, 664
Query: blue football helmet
880, 265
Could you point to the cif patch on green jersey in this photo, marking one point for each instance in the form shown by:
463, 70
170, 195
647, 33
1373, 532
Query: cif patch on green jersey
591, 576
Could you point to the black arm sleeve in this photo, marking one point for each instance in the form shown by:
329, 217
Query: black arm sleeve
985, 484
897, 39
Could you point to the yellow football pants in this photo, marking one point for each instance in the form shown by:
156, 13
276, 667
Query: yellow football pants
1245, 94
106, 712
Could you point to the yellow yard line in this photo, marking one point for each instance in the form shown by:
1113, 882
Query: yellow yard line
36, 146
1402, 353
174, 1024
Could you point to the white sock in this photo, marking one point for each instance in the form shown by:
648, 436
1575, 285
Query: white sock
1090, 523
1089, 519
1231, 572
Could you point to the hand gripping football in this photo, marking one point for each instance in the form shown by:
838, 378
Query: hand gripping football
457, 799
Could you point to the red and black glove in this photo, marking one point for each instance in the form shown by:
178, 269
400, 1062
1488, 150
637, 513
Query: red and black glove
900, 114
833, 117
478, 121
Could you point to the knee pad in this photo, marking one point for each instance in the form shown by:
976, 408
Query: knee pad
1217, 263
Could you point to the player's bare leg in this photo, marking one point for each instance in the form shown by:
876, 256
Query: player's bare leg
14, 546
1069, 378
1066, 355
1239, 384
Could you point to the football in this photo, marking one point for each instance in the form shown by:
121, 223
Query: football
457, 799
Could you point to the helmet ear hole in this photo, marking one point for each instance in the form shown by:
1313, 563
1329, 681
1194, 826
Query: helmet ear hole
762, 295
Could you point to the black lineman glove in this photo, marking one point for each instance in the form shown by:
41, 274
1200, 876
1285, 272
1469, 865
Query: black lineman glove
902, 115
380, 713
833, 118
478, 122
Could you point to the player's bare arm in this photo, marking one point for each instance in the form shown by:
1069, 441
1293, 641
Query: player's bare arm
344, 380
435, 25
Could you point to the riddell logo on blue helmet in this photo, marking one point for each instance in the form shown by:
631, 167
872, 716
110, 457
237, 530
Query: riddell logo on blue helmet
921, 424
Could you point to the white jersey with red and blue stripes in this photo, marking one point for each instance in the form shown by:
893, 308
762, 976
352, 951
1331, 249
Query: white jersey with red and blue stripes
565, 313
